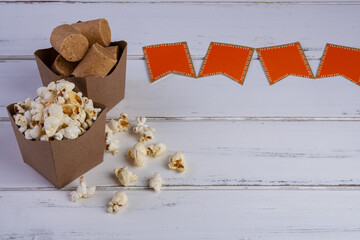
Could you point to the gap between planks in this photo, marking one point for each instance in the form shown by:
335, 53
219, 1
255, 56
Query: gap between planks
134, 57
240, 119
187, 2
203, 188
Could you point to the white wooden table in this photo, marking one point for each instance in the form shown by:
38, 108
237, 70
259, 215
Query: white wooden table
279, 162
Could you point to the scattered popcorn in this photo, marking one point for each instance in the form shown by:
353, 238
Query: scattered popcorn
125, 176
82, 191
119, 200
177, 162
138, 154
140, 126
111, 143
156, 150
120, 125
146, 132
124, 123
57, 113
113, 125
147, 135
156, 182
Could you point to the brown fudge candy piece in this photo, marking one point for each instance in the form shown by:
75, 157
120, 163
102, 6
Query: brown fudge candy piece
63, 67
112, 51
96, 31
97, 62
69, 42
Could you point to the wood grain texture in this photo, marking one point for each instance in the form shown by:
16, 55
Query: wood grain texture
222, 154
253, 25
225, 214
277, 162
211, 97
336, 2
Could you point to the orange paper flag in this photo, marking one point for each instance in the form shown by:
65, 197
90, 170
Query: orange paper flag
163, 59
339, 60
227, 59
284, 60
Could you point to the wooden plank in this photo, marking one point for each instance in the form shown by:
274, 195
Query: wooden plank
255, 25
216, 97
241, 153
337, 2
225, 214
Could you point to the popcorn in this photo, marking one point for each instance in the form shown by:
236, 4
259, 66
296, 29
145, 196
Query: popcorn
147, 135
28, 116
44, 138
113, 125
33, 133
119, 200
21, 121
81, 117
55, 110
125, 176
51, 125
82, 191
75, 99
120, 125
57, 113
124, 123
111, 143
140, 125
59, 135
87, 123
138, 154
156, 150
60, 100
88, 103
36, 111
52, 86
177, 162
46, 95
92, 113
146, 132
20, 108
63, 88
156, 182
72, 132
68, 109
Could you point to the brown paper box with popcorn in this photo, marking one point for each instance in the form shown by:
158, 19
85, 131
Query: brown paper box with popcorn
60, 133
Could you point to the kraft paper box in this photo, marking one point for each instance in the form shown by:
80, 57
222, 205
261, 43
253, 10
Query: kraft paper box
108, 90
62, 161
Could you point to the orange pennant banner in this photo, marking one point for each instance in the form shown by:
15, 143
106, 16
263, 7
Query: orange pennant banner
284, 60
163, 59
227, 59
340, 61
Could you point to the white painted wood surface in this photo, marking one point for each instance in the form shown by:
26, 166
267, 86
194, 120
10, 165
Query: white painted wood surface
216, 96
254, 25
241, 153
277, 162
179, 214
